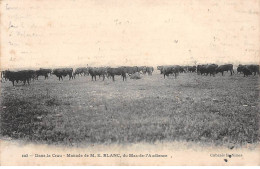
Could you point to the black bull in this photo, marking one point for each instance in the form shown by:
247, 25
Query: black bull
43, 72
63, 72
117, 71
248, 69
207, 69
253, 68
23, 75
167, 70
223, 68
94, 72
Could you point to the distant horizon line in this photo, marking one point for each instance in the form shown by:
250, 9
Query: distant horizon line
101, 65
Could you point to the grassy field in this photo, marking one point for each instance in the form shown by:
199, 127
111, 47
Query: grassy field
216, 110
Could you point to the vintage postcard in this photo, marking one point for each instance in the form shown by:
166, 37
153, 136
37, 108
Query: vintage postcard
129, 82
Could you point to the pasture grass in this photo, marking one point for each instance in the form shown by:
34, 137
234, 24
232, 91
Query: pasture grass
216, 110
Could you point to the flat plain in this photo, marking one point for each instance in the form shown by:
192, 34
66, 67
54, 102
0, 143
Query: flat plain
220, 110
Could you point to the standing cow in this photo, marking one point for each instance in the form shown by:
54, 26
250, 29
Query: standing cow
23, 75
149, 70
253, 68
223, 68
63, 72
201, 69
211, 69
42, 72
248, 69
117, 71
97, 71
167, 70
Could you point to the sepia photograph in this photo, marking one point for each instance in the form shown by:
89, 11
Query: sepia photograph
129, 83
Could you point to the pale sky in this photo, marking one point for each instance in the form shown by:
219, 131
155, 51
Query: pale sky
64, 33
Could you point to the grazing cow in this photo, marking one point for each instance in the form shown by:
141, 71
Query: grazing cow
253, 68
246, 71
81, 71
23, 75
223, 68
117, 71
240, 68
42, 72
100, 71
63, 72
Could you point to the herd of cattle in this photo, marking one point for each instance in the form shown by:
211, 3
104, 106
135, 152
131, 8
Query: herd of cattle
109, 72
210, 69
